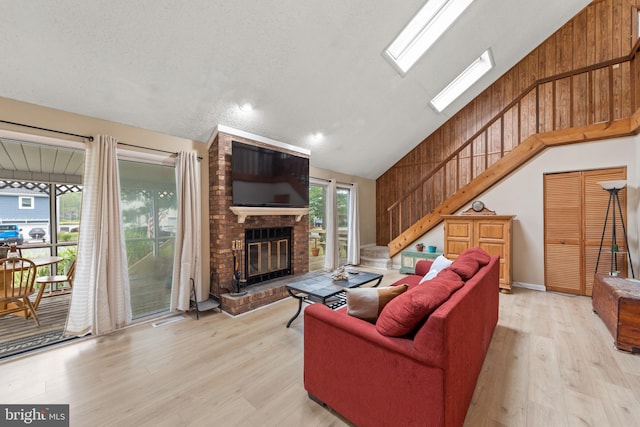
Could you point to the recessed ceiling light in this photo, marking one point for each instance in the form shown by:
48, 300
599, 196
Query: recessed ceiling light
318, 136
464, 81
245, 107
422, 31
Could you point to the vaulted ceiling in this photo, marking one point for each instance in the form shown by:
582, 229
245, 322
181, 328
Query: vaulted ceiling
183, 67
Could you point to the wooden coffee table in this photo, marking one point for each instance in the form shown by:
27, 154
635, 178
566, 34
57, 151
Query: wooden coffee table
321, 288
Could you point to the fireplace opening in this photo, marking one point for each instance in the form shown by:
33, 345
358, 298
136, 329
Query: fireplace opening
267, 253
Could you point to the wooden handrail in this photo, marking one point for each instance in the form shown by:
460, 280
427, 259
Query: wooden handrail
502, 112
528, 149
455, 155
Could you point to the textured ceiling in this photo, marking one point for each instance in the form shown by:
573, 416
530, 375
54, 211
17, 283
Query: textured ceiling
182, 67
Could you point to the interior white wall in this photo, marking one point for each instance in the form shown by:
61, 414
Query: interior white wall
521, 194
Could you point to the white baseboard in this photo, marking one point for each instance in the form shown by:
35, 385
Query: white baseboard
531, 286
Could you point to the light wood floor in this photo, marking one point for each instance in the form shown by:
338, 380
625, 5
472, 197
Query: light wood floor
551, 363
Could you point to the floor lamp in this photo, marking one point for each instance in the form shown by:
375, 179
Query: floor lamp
614, 187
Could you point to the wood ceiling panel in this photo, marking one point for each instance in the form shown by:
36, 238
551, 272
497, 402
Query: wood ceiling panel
61, 161
76, 164
40, 160
17, 157
5, 159
48, 158
32, 157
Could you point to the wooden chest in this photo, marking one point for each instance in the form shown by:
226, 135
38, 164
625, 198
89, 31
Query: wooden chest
617, 302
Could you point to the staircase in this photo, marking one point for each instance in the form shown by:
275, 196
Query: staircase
469, 173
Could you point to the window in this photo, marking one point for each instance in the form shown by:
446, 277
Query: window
36, 227
435, 17
25, 202
464, 81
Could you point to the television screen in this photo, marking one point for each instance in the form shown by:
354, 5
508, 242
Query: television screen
270, 178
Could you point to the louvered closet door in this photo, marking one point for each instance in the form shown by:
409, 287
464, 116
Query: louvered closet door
563, 232
575, 210
595, 210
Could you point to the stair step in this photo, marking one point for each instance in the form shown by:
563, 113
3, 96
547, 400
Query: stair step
376, 257
375, 252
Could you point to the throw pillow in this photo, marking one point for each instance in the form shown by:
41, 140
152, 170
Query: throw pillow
478, 254
407, 312
469, 262
465, 268
367, 303
439, 264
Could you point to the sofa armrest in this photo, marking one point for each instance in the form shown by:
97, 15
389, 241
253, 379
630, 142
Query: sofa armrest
422, 267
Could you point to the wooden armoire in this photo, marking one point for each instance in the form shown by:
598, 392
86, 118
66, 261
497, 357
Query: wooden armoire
489, 232
575, 207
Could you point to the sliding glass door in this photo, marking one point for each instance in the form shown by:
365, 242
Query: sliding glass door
319, 216
342, 204
317, 224
148, 203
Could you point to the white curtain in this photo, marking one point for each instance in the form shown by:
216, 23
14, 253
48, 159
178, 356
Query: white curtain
186, 263
100, 302
331, 217
353, 237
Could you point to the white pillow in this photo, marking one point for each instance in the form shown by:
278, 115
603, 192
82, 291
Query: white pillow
439, 264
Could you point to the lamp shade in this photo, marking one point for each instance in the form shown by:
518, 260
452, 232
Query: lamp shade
612, 185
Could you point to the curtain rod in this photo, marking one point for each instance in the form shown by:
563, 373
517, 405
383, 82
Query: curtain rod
328, 180
90, 138
152, 149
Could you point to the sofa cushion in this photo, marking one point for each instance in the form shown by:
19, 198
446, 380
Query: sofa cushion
478, 254
367, 303
439, 264
408, 311
469, 262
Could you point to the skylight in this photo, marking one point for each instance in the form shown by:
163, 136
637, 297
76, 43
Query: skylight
464, 81
423, 30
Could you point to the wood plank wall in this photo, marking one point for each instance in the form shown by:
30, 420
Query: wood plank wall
604, 30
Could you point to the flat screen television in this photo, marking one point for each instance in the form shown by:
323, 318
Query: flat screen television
269, 178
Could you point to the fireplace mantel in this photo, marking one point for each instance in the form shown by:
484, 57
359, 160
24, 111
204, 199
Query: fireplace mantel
244, 211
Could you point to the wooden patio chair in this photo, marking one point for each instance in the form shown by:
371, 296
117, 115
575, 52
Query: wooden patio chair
17, 280
54, 281
4, 250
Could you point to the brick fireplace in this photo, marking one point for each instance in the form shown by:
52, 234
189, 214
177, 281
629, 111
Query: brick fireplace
227, 228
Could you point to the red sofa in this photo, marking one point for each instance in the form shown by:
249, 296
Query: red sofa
426, 378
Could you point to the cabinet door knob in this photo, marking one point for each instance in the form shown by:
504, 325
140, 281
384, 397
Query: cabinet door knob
562, 242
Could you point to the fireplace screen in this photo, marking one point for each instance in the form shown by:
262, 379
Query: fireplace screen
265, 257
268, 254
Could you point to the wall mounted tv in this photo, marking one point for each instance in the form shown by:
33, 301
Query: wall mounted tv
264, 177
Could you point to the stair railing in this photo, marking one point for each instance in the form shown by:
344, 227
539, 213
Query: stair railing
413, 204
